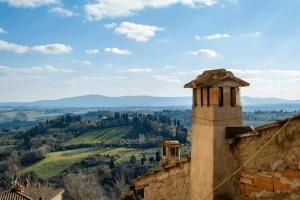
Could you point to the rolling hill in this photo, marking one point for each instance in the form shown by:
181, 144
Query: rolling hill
134, 101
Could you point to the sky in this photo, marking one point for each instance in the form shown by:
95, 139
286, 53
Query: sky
53, 49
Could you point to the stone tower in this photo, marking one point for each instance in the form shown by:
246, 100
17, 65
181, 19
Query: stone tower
216, 105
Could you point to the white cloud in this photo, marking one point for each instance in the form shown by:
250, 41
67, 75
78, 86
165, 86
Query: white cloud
270, 82
51, 69
6, 46
253, 34
204, 52
169, 66
83, 62
91, 51
118, 8
165, 40
56, 48
2, 30
165, 78
84, 79
110, 26
28, 70
29, 3
193, 72
108, 65
62, 12
43, 49
212, 37
198, 37
138, 70
138, 32
289, 74
117, 51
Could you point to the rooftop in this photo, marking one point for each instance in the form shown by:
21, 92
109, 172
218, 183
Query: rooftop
31, 193
210, 77
257, 130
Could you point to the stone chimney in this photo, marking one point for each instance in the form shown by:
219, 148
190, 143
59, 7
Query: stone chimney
216, 105
171, 151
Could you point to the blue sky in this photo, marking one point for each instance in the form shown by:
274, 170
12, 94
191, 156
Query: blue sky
60, 48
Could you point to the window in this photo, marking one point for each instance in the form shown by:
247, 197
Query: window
195, 97
164, 151
221, 97
201, 97
233, 96
207, 93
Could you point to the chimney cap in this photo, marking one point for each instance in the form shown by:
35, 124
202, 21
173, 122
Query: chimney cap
210, 77
171, 143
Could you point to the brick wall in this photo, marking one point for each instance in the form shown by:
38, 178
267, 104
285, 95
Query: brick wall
275, 172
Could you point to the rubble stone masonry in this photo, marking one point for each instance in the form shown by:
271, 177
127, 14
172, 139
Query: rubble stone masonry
275, 172
170, 183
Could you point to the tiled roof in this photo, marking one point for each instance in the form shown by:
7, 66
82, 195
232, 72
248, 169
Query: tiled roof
211, 77
46, 193
13, 195
31, 193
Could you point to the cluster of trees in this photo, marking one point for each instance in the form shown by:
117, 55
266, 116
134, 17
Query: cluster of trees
32, 144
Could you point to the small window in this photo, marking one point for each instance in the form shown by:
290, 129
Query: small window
195, 97
201, 97
164, 151
208, 98
221, 97
233, 96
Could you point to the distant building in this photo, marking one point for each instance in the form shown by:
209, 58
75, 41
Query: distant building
228, 161
26, 192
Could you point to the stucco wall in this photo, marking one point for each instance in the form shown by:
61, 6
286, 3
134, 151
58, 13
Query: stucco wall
275, 172
171, 183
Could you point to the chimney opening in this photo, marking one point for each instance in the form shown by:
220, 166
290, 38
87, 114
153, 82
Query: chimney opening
233, 96
201, 97
195, 97
208, 98
221, 97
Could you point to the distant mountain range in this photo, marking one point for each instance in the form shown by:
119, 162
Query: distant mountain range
136, 101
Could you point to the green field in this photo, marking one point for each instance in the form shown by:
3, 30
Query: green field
57, 162
98, 136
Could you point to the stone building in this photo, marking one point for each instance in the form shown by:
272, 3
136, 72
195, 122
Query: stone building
23, 191
228, 160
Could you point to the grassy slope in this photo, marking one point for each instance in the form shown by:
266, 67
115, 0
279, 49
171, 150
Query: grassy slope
57, 162
98, 136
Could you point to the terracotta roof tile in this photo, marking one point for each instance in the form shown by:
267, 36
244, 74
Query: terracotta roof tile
210, 77
13, 195
46, 193
31, 193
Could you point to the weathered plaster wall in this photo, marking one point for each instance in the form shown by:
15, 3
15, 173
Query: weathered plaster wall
170, 183
275, 172
212, 159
